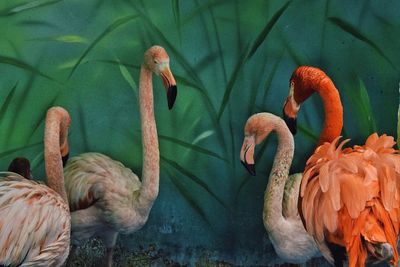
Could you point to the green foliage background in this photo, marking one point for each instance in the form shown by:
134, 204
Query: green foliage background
231, 59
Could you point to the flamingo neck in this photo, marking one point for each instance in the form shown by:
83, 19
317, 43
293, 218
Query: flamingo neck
279, 174
333, 108
151, 157
54, 132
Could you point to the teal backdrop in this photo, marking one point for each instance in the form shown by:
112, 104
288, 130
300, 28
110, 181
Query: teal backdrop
231, 59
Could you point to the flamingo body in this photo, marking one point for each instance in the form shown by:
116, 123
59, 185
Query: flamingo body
34, 224
96, 184
350, 198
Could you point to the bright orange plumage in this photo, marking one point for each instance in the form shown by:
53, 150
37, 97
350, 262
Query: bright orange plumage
350, 197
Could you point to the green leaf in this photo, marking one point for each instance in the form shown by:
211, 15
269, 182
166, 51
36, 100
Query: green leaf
267, 29
192, 177
7, 102
347, 27
26, 6
231, 82
22, 65
117, 23
128, 78
247, 55
191, 147
63, 39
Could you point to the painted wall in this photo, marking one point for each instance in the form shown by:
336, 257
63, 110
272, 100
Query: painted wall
231, 59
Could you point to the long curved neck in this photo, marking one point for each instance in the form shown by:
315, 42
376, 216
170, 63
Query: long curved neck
54, 132
151, 157
273, 196
333, 123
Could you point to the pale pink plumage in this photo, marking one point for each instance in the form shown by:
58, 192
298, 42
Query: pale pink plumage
107, 198
34, 219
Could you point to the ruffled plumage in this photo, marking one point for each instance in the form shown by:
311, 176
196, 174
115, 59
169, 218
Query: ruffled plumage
34, 223
351, 195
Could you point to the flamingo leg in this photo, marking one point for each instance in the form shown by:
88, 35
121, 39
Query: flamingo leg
110, 239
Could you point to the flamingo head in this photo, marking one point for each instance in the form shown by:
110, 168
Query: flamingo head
21, 166
302, 84
156, 60
257, 128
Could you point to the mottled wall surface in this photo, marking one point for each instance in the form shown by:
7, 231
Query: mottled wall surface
231, 59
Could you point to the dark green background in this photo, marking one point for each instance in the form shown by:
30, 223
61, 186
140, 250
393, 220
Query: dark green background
231, 59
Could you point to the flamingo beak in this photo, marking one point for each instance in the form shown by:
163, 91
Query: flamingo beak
290, 109
64, 149
247, 155
170, 85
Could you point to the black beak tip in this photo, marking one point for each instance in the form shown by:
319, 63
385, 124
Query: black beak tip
291, 123
65, 159
250, 168
171, 95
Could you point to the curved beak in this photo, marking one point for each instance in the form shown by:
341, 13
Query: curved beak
170, 85
247, 155
64, 150
290, 109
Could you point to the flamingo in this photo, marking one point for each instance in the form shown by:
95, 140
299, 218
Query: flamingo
349, 198
34, 218
21, 166
105, 197
281, 218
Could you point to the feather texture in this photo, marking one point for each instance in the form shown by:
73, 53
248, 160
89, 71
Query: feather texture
34, 223
350, 196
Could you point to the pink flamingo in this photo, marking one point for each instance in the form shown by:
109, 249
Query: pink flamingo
34, 218
105, 197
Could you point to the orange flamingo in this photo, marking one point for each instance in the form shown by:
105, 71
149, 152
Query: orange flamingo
105, 197
34, 218
349, 198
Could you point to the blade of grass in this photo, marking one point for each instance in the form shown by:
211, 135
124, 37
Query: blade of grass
33, 22
62, 39
249, 52
191, 147
26, 6
177, 16
220, 54
231, 82
366, 108
22, 65
347, 27
192, 177
7, 102
271, 75
201, 9
267, 29
128, 78
117, 23
115, 62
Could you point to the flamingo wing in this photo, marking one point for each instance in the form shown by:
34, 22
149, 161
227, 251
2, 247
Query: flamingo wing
89, 176
291, 196
350, 197
34, 223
